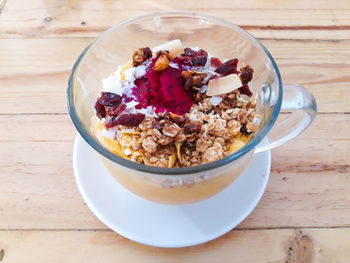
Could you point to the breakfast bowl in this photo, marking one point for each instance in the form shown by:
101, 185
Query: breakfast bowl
180, 185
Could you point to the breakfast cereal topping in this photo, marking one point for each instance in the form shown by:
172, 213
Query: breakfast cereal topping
176, 107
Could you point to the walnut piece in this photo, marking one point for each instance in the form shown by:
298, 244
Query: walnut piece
161, 64
141, 55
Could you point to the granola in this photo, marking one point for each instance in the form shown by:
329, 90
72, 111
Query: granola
176, 108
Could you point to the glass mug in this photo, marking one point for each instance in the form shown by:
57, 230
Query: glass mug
220, 38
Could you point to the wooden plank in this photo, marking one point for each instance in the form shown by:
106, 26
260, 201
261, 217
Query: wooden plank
90, 18
166, 4
275, 246
309, 184
34, 72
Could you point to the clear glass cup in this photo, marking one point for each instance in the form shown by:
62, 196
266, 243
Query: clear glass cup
222, 39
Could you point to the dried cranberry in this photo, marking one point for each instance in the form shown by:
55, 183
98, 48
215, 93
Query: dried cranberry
100, 110
229, 67
116, 110
109, 99
188, 52
147, 52
130, 120
199, 58
192, 127
215, 62
244, 130
245, 90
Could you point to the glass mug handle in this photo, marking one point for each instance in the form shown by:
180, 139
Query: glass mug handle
301, 100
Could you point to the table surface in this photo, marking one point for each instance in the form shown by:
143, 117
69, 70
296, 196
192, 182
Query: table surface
304, 215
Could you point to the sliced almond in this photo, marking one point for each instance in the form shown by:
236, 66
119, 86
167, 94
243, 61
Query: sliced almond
174, 47
223, 85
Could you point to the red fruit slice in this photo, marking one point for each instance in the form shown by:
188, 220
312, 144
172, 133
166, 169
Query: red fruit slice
177, 99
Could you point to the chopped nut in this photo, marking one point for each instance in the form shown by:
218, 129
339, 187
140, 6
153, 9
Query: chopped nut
149, 145
212, 154
186, 74
202, 145
171, 130
242, 116
157, 125
165, 140
141, 55
192, 127
161, 64
156, 134
177, 118
250, 126
180, 137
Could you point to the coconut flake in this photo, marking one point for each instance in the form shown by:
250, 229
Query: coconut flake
140, 71
127, 152
223, 85
174, 65
129, 74
203, 89
128, 89
148, 111
131, 104
215, 100
174, 47
110, 133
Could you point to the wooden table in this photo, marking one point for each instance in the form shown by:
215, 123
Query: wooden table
304, 215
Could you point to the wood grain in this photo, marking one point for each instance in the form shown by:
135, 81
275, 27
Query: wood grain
273, 246
53, 18
34, 72
309, 183
304, 214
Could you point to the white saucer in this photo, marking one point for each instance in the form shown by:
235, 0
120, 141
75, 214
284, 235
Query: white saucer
167, 225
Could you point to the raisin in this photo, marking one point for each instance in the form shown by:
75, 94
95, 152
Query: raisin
215, 62
229, 67
116, 110
192, 127
246, 74
245, 90
244, 130
100, 110
109, 99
